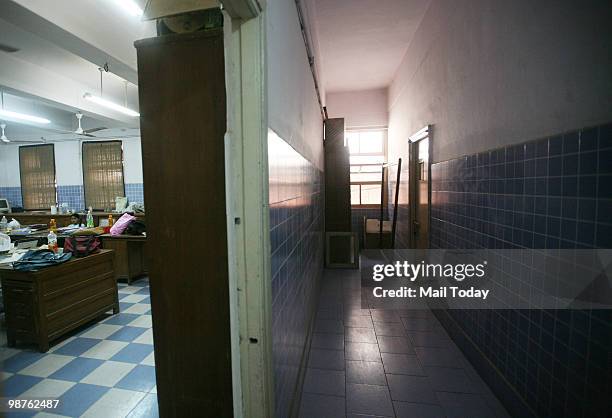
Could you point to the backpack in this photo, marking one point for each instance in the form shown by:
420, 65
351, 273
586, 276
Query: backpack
37, 259
82, 245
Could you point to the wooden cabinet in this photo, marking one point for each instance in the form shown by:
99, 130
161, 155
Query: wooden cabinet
130, 259
181, 83
43, 305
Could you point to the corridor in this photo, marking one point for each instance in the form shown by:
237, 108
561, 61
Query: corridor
386, 363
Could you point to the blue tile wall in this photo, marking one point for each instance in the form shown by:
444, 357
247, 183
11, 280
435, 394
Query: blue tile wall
296, 234
134, 192
13, 194
552, 192
72, 195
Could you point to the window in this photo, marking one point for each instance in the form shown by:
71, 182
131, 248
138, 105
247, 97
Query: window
367, 154
102, 173
37, 170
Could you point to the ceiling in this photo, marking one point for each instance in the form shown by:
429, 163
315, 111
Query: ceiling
360, 43
59, 46
62, 126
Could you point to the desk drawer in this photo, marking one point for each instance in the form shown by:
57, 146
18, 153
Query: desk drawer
18, 294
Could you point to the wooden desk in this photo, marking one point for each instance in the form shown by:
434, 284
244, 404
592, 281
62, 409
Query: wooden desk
31, 218
130, 256
43, 305
40, 236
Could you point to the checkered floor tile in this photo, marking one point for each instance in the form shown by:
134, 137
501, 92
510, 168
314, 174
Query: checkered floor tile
105, 370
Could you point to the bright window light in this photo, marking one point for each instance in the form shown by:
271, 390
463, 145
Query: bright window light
110, 105
130, 6
22, 116
367, 156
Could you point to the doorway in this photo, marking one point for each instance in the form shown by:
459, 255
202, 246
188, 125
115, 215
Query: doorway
419, 187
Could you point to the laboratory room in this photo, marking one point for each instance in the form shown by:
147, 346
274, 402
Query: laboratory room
75, 313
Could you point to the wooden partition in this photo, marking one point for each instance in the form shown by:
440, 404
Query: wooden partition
337, 178
183, 121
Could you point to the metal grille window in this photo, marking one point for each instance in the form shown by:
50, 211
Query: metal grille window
367, 154
103, 173
37, 170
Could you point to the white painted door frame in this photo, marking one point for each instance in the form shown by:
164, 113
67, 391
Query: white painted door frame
248, 217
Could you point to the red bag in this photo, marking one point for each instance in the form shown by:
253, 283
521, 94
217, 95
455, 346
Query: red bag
82, 246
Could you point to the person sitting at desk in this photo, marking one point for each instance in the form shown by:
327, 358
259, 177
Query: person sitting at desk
75, 221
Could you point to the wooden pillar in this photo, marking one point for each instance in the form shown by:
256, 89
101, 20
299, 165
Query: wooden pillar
183, 122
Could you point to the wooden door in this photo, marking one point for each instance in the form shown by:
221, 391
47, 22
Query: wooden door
420, 192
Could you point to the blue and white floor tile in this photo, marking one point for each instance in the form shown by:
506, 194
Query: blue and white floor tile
105, 370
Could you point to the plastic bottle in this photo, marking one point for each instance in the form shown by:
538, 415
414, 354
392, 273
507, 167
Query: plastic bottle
52, 237
111, 221
3, 224
90, 220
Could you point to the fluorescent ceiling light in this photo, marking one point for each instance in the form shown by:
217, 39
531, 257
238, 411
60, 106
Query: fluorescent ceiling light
130, 6
22, 116
110, 105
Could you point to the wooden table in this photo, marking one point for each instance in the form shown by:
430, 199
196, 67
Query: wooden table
43, 305
44, 217
130, 255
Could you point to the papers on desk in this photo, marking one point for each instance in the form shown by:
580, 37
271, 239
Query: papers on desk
12, 257
68, 229
21, 232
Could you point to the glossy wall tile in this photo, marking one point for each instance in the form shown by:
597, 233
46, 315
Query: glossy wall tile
296, 235
72, 195
548, 193
134, 192
13, 194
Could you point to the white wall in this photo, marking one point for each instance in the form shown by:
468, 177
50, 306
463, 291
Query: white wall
68, 163
293, 109
9, 166
488, 73
132, 161
365, 108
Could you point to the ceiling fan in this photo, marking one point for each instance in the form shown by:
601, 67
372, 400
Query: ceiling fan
5, 139
80, 131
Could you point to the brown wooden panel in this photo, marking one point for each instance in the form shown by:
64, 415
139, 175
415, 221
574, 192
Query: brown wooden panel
182, 106
121, 256
86, 289
45, 304
337, 178
73, 280
32, 219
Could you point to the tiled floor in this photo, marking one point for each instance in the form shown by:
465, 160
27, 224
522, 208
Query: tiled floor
104, 370
386, 363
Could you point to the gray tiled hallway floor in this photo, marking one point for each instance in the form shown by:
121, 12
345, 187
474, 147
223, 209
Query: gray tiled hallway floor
374, 363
